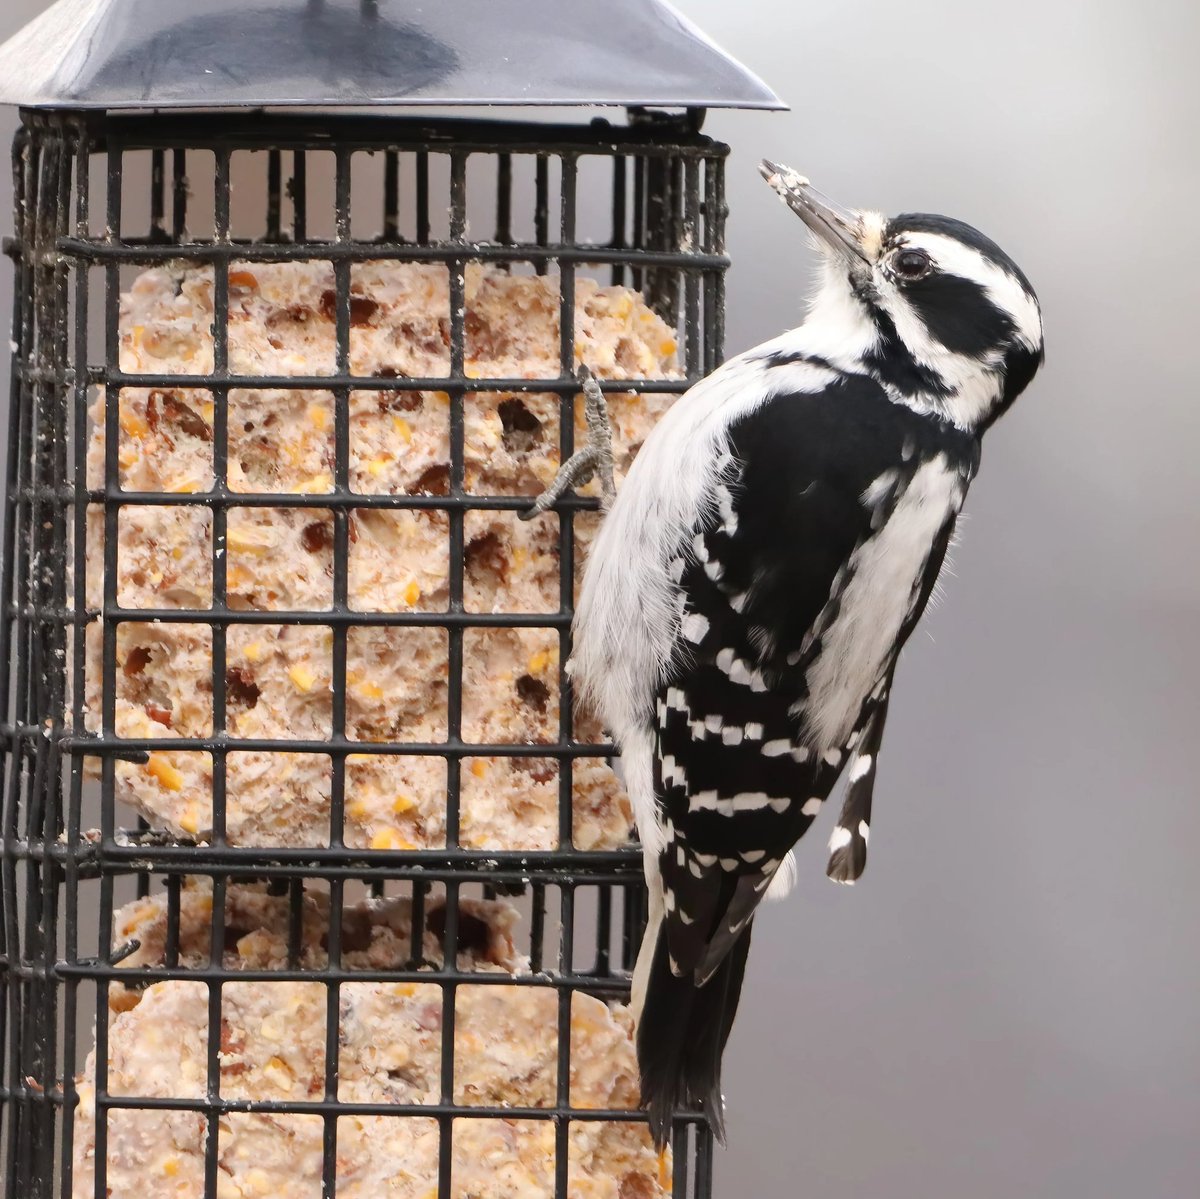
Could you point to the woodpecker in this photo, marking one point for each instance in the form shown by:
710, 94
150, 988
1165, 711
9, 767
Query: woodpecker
756, 577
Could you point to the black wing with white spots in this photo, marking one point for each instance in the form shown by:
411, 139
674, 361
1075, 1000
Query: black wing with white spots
810, 480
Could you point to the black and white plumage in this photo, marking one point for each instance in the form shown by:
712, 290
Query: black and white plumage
766, 559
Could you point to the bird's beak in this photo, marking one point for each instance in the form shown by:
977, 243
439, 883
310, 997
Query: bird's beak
839, 228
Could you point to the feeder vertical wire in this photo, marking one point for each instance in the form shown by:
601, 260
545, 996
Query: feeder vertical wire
79, 623
566, 714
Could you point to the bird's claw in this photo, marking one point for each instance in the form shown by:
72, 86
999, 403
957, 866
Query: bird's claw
594, 460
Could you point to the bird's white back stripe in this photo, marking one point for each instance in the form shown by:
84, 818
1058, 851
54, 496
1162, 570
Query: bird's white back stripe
875, 603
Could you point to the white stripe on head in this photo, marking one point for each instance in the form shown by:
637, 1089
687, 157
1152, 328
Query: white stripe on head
1002, 287
974, 384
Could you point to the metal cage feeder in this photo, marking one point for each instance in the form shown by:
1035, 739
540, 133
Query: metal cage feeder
165, 155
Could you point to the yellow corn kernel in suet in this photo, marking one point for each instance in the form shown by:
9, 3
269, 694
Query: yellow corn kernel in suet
168, 776
302, 676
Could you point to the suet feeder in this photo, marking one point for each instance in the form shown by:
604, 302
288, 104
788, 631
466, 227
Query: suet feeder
314, 883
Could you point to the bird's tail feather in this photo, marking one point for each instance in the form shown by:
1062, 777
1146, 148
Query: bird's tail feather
681, 1037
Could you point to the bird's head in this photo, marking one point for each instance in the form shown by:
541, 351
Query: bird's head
932, 308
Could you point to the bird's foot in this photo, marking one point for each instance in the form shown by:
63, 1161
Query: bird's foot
595, 460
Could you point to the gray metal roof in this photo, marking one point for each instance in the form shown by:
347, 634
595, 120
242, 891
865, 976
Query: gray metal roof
250, 53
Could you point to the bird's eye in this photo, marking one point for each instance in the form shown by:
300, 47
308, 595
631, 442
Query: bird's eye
911, 264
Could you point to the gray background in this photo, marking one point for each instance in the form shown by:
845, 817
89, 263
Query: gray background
1007, 1003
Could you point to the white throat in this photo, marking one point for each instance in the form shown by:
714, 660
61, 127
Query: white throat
838, 327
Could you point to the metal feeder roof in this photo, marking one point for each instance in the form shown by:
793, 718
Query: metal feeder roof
121, 54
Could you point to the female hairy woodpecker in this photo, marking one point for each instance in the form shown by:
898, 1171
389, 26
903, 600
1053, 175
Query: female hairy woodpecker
756, 577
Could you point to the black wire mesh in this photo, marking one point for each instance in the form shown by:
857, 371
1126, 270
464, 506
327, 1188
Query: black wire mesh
661, 203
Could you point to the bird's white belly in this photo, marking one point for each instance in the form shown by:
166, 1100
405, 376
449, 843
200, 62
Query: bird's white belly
875, 602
